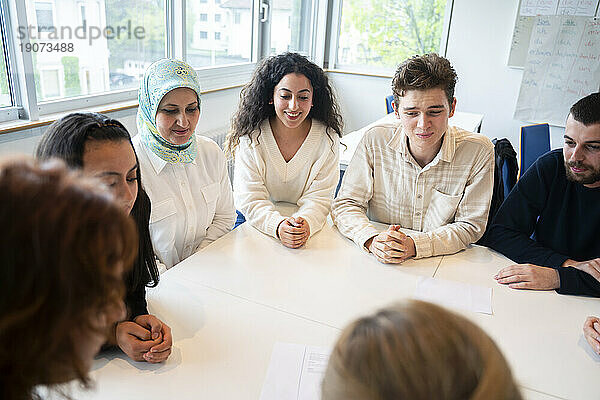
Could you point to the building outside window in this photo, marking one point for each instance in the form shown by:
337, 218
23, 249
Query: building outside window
44, 16
94, 65
231, 33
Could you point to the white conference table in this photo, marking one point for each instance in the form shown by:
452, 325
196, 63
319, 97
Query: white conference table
467, 121
230, 303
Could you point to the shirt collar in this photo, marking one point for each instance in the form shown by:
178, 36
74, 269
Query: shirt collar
158, 163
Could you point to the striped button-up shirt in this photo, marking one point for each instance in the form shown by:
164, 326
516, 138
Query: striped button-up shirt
443, 206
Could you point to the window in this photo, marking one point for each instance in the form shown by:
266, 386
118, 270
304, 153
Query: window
291, 26
85, 53
378, 34
44, 16
232, 43
5, 98
92, 64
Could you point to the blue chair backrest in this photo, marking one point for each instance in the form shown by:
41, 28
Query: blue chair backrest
388, 104
535, 141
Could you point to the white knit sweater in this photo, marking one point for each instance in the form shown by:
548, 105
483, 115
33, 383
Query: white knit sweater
262, 177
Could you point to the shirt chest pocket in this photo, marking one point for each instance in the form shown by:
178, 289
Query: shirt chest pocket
210, 194
163, 225
441, 210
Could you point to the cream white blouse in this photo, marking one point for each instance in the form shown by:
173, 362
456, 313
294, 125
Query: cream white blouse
192, 203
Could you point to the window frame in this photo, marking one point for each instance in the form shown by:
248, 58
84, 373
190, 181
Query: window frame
10, 112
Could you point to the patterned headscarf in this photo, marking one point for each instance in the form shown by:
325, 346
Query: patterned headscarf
159, 79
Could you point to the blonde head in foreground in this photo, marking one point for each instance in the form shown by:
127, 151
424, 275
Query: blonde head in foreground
416, 350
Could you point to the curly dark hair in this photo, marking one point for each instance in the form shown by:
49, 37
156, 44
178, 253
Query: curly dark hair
63, 238
254, 104
428, 71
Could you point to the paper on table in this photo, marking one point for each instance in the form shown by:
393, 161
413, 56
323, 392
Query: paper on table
455, 295
295, 372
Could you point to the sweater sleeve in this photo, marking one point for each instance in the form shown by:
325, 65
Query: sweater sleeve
250, 193
349, 208
471, 214
225, 215
513, 225
315, 202
574, 281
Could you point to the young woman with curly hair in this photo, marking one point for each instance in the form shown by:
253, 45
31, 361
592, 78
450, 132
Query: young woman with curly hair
285, 139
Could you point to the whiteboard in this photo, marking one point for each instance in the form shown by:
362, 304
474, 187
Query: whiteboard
562, 66
529, 9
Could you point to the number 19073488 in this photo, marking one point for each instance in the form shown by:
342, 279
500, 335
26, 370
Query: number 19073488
47, 47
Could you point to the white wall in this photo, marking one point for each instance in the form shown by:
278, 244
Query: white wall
217, 108
361, 98
478, 45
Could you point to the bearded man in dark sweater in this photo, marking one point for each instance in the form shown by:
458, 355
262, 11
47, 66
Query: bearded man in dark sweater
550, 221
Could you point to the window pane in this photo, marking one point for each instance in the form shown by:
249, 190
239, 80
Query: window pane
290, 26
218, 32
91, 47
379, 34
5, 99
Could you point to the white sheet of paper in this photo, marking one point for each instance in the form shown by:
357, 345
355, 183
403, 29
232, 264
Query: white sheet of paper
455, 295
295, 372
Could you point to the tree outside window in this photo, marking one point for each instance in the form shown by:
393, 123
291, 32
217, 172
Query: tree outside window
379, 34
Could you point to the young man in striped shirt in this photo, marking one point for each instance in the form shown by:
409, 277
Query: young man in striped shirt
432, 183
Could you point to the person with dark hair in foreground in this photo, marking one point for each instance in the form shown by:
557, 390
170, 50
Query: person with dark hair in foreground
65, 246
101, 147
286, 131
432, 182
557, 201
418, 351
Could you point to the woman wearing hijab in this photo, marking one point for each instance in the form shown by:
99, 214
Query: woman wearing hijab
185, 174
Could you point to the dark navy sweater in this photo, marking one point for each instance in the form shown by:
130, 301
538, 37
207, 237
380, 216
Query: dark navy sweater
563, 216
